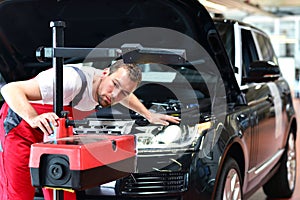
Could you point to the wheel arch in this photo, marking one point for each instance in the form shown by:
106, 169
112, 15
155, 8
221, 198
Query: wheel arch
234, 151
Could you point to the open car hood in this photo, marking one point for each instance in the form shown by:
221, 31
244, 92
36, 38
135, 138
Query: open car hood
24, 27
24, 24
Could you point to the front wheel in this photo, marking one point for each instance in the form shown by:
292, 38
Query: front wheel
229, 185
282, 184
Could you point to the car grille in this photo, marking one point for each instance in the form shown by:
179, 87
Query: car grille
154, 183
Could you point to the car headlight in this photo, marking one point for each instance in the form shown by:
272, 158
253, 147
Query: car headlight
173, 136
169, 135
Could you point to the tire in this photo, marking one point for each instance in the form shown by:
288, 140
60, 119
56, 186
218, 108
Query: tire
230, 174
282, 184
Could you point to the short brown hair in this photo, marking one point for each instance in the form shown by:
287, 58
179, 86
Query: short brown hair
134, 71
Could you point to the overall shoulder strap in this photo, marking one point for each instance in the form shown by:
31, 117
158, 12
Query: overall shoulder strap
78, 97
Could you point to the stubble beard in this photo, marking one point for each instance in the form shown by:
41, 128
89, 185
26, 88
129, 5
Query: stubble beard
102, 102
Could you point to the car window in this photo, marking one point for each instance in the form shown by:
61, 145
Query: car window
227, 36
266, 48
249, 53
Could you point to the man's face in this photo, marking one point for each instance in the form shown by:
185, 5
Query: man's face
115, 87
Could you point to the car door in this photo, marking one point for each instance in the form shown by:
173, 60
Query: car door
279, 89
262, 98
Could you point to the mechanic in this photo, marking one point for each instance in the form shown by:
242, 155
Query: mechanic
27, 114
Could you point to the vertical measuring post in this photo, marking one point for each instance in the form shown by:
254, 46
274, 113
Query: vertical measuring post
57, 62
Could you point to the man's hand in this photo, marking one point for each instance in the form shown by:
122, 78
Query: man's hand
157, 118
43, 122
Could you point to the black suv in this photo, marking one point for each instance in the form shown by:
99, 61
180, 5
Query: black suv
238, 127
249, 47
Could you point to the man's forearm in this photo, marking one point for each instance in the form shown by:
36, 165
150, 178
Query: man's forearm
18, 94
133, 103
17, 101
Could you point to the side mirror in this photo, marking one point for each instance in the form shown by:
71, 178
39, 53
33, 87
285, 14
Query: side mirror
262, 71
